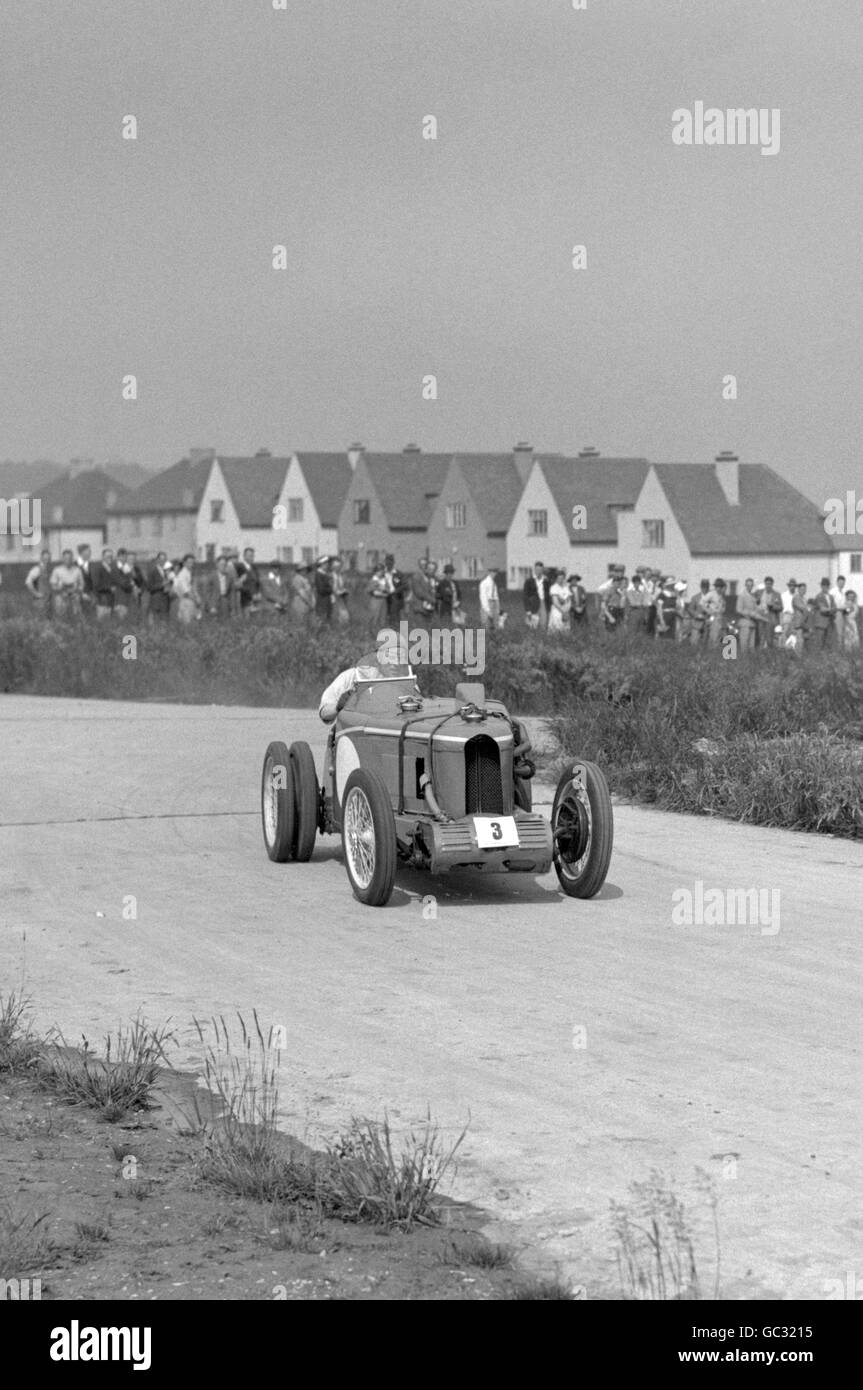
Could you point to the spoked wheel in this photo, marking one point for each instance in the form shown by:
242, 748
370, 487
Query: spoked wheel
306, 799
582, 824
369, 838
278, 817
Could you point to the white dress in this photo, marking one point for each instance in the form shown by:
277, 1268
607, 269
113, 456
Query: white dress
561, 602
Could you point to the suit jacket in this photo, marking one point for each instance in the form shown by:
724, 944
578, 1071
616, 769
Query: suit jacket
102, 583
536, 594
422, 594
210, 589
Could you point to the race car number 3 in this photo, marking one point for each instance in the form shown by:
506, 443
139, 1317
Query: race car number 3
495, 832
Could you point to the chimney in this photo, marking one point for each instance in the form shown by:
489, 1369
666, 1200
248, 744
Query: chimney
589, 453
200, 455
355, 453
727, 467
263, 454
80, 465
412, 449
523, 458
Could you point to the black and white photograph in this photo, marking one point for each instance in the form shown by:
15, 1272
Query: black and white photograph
431, 691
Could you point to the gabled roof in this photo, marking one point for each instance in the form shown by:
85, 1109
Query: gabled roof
771, 518
254, 485
597, 484
177, 489
83, 498
328, 477
407, 485
495, 486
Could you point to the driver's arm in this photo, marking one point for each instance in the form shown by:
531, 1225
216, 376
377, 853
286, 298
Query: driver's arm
342, 685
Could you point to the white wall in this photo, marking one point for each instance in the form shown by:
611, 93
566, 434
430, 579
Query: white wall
653, 505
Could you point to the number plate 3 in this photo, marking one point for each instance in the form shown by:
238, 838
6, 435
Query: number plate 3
495, 832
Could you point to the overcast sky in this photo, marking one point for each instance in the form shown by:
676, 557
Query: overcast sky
408, 257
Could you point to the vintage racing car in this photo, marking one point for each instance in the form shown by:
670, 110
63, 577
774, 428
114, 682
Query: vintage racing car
432, 783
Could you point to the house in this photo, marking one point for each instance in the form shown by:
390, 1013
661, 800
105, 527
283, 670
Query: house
238, 506
162, 514
702, 521
568, 515
388, 506
310, 505
471, 516
73, 512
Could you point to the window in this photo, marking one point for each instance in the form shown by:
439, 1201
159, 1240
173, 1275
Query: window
217, 510
856, 565
537, 523
350, 560
308, 554
653, 535
456, 516
210, 553
286, 554
362, 511
295, 509
470, 567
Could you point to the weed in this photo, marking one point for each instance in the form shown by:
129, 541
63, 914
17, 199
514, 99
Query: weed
367, 1179
19, 1048
655, 1245
24, 1241
115, 1084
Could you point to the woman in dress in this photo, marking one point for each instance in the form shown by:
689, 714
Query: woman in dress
302, 596
561, 604
186, 591
850, 630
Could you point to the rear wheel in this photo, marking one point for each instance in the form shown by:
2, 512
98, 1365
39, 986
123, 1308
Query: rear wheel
582, 824
306, 800
278, 817
369, 838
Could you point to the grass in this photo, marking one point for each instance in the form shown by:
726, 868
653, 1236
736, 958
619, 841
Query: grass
19, 1047
24, 1241
120, 1082
655, 1245
542, 1290
369, 1179
478, 1254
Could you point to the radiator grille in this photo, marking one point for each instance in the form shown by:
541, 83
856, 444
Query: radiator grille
483, 786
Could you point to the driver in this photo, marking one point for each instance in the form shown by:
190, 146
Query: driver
388, 660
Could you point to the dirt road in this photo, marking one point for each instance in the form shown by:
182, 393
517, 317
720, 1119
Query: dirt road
588, 1042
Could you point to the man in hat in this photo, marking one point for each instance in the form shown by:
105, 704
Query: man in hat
825, 615
388, 660
771, 608
578, 611
448, 597
749, 616
324, 590
537, 599
714, 608
422, 594
395, 587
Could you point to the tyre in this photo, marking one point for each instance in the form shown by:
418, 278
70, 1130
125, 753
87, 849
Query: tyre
369, 838
306, 800
278, 816
582, 824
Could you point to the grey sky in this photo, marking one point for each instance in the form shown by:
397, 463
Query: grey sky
408, 257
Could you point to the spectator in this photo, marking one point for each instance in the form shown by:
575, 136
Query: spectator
770, 603
159, 586
220, 592
837, 593
67, 586
665, 609
850, 628
395, 591
422, 594
639, 600
749, 616
341, 611
248, 583
324, 590
578, 596
448, 597
613, 605
489, 599
378, 594
787, 614
103, 578
273, 590
561, 604
824, 616
186, 591
302, 593
536, 597
800, 625
85, 564
125, 592
714, 607
38, 584
697, 614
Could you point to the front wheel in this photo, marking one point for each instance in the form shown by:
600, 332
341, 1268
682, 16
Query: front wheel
582, 824
369, 838
278, 814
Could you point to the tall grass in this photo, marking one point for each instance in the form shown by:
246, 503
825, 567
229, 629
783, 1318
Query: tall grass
116, 1084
